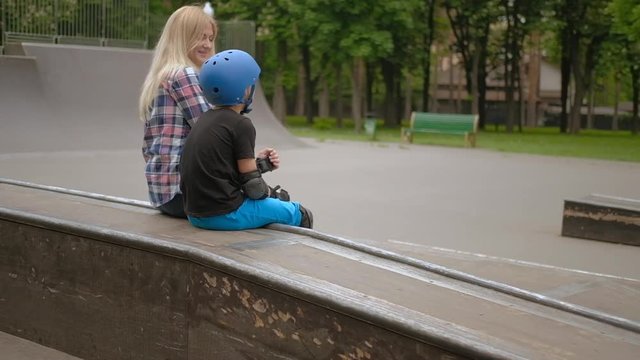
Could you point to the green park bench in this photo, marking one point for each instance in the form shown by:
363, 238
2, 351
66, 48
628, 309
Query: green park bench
453, 124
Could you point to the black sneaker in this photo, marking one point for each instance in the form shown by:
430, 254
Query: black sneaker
307, 218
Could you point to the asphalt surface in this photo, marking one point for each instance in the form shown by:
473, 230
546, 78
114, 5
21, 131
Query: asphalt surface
470, 200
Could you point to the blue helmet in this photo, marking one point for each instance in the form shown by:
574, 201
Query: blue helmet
226, 75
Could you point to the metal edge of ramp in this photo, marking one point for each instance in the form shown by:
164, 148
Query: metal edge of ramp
524, 294
453, 342
355, 305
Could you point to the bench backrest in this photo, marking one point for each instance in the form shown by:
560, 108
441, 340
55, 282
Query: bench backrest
452, 123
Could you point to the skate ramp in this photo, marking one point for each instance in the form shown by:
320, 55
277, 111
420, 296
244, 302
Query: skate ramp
71, 98
270, 131
99, 277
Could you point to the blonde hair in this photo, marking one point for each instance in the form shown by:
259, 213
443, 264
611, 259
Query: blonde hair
180, 35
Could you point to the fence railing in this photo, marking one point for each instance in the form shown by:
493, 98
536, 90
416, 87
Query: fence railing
118, 23
87, 22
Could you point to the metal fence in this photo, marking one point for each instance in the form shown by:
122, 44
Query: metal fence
123, 23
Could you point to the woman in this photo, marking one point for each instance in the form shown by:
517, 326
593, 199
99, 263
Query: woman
172, 100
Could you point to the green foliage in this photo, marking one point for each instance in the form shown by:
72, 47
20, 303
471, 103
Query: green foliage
337, 31
626, 19
324, 124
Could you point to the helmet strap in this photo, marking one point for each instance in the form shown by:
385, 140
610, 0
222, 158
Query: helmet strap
248, 101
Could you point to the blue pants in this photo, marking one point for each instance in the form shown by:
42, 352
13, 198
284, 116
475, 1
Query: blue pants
252, 214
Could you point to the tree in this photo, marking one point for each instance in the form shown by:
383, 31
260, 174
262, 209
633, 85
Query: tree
626, 25
471, 21
584, 30
428, 37
399, 19
360, 40
520, 18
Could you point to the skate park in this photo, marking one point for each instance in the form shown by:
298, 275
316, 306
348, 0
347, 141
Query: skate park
68, 121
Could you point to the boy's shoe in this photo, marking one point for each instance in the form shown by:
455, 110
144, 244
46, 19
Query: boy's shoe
307, 218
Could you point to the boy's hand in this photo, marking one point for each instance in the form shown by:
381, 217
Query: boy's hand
272, 155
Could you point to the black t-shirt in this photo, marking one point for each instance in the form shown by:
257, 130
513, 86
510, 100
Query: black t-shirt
209, 165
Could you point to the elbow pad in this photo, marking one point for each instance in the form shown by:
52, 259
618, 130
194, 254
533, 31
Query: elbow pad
254, 186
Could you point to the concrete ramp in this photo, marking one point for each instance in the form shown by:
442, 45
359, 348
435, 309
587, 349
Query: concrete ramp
67, 98
101, 278
21, 100
84, 98
270, 131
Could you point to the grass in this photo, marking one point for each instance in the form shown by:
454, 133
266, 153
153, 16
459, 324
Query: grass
593, 144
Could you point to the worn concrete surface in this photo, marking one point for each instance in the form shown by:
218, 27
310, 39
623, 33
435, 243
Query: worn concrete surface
15, 348
473, 200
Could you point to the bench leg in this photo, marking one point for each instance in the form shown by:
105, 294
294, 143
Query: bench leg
470, 139
406, 136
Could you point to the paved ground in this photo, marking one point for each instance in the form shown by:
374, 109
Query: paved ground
470, 200
15, 348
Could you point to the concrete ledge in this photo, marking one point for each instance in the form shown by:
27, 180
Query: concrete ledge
603, 218
98, 299
99, 279
16, 348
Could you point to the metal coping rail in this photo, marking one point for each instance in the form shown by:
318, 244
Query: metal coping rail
527, 295
446, 337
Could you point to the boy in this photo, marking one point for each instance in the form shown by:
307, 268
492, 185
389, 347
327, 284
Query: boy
221, 179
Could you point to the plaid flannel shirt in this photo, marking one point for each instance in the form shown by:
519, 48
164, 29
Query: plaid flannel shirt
177, 105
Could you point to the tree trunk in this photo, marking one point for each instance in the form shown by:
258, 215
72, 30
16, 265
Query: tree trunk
459, 89
389, 74
482, 97
616, 103
323, 98
279, 99
300, 93
533, 88
475, 78
508, 92
357, 86
635, 80
508, 66
408, 95
369, 93
579, 85
426, 60
521, 99
565, 73
515, 86
308, 84
590, 100
433, 106
451, 84
339, 106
